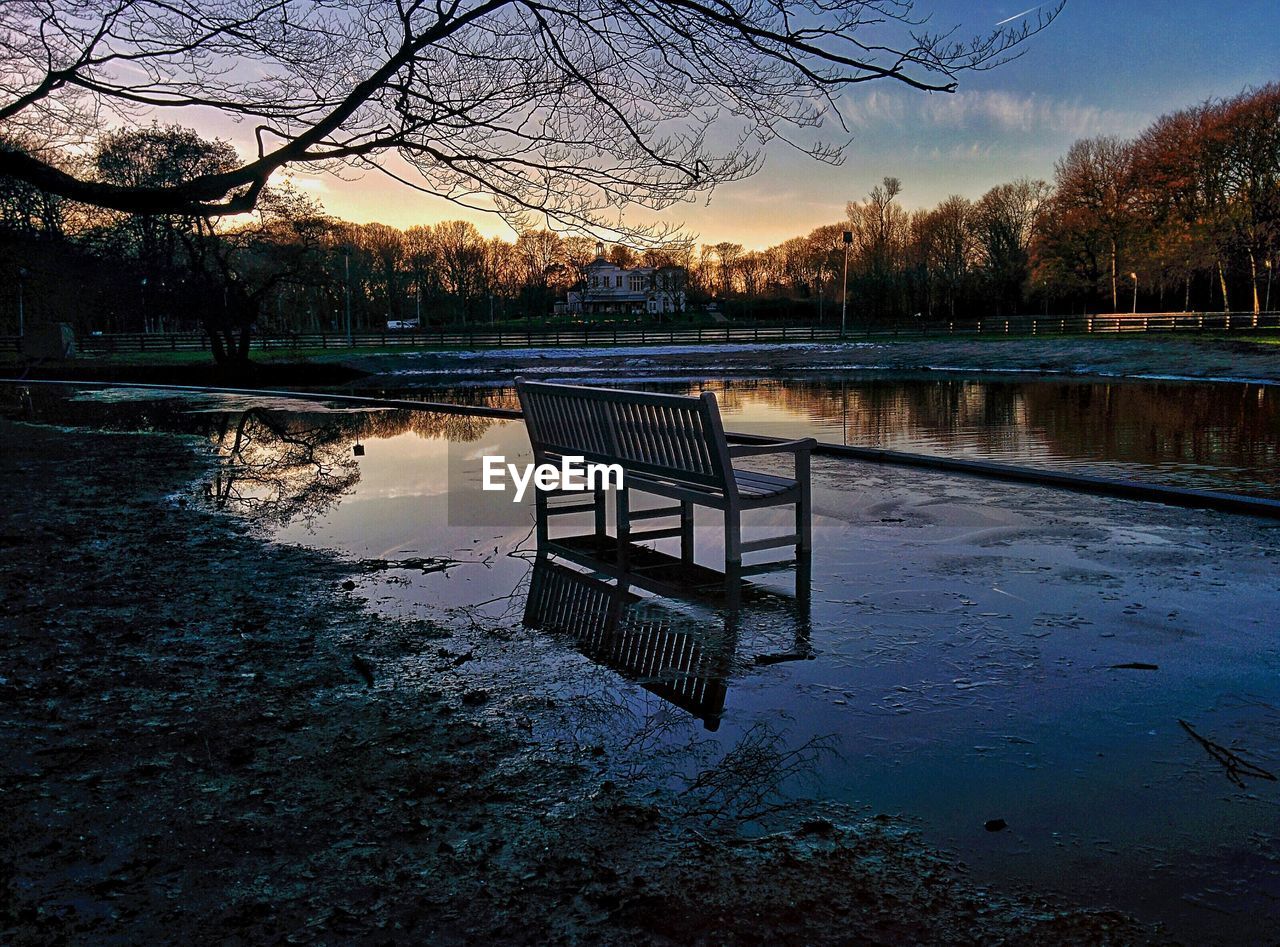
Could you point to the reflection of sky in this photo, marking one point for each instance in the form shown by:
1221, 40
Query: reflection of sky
965, 635
966, 638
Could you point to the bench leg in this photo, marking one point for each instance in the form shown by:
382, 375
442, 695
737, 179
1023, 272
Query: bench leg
541, 518
733, 537
602, 527
733, 582
622, 498
686, 532
804, 507
804, 522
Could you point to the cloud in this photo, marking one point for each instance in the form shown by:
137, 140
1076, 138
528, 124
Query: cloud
309, 184
987, 112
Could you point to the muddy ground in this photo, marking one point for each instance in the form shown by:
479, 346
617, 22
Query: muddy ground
196, 745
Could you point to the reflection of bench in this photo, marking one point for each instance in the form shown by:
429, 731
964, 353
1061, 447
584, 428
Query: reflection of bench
676, 660
671, 446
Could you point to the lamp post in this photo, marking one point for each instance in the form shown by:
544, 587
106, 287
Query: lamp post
22, 315
1134, 277
844, 286
346, 292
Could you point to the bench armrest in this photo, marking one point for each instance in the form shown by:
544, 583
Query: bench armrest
787, 447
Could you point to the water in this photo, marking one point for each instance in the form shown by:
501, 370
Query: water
1206, 435
957, 657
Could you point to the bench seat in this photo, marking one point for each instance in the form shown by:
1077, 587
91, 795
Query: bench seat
754, 489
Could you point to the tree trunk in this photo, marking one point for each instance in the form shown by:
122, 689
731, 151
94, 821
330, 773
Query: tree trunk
230, 346
1222, 281
216, 346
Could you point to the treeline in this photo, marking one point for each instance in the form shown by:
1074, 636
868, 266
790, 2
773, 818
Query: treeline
1184, 216
288, 267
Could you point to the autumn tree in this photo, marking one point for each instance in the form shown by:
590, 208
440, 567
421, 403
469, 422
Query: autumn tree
1243, 143
879, 225
1096, 193
1005, 223
949, 244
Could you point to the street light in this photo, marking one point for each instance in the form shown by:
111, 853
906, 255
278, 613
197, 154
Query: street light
1134, 277
844, 287
22, 276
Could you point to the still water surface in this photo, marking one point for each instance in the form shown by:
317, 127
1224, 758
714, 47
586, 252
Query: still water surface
1207, 435
965, 651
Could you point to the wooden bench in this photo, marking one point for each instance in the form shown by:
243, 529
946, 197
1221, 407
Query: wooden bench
671, 446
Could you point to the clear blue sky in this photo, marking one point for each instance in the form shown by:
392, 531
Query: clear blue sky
1104, 67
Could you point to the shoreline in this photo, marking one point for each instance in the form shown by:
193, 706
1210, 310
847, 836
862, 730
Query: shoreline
204, 741
1170, 358
1201, 359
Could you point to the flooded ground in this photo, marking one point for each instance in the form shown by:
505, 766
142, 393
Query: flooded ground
1077, 694
1206, 435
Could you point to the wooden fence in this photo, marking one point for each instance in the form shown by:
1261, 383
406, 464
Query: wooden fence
482, 338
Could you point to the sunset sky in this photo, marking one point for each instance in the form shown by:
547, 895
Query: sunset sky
1105, 67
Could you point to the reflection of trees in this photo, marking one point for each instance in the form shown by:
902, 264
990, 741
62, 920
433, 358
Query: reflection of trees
277, 467
1217, 425
1149, 423
456, 428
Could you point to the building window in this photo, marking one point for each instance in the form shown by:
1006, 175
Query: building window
617, 281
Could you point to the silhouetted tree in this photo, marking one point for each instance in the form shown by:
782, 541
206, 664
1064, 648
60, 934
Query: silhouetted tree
566, 112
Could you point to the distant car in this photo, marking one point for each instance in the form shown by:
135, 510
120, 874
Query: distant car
402, 323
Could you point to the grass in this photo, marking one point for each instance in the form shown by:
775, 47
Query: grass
11, 361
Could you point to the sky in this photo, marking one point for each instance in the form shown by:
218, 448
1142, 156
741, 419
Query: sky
1104, 67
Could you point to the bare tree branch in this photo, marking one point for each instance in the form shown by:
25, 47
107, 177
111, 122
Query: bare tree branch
571, 109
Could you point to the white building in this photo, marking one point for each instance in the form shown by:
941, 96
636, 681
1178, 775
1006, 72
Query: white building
609, 288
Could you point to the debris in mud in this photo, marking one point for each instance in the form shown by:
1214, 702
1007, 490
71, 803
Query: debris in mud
364, 667
995, 825
1236, 767
764, 660
414, 563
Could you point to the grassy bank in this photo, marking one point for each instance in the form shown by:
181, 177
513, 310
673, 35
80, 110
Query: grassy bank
1208, 355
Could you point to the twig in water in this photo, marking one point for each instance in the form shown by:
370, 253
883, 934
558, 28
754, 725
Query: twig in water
1237, 768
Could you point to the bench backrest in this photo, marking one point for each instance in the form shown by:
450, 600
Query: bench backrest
675, 437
